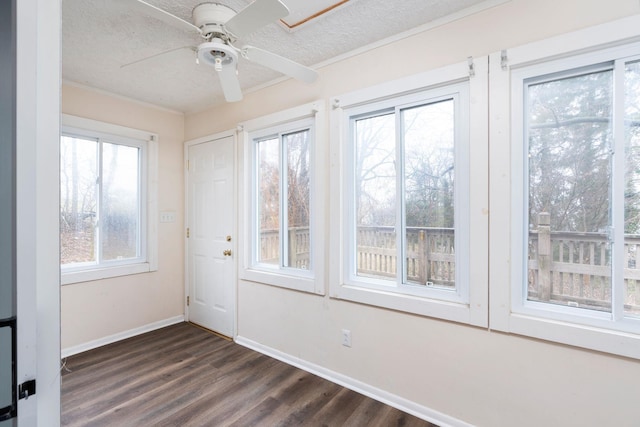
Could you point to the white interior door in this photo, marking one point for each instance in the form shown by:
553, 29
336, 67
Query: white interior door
211, 240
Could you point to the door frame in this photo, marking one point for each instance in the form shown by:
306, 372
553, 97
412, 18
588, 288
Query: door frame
38, 206
234, 243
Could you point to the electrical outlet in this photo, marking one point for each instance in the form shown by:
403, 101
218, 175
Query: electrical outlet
346, 338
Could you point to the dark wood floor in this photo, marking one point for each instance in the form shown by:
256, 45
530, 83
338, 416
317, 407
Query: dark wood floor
184, 376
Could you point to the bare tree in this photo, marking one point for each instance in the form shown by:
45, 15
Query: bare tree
429, 141
298, 182
570, 143
375, 170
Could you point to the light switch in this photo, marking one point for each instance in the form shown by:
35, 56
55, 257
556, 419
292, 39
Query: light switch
167, 216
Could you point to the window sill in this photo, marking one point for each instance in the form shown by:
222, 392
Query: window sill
276, 278
423, 306
68, 278
590, 337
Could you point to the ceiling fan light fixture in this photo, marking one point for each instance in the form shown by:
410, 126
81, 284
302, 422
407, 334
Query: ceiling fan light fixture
217, 54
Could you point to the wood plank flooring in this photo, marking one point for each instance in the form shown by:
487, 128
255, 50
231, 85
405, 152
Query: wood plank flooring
184, 376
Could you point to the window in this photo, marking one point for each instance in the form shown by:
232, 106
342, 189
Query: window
402, 178
582, 191
405, 214
283, 210
284, 176
103, 201
569, 123
574, 190
100, 207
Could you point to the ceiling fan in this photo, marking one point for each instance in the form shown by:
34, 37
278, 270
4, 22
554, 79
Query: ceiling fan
220, 27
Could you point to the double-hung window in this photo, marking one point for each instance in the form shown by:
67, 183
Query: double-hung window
575, 191
103, 201
284, 184
405, 184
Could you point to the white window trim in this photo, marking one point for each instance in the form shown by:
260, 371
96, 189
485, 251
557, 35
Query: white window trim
306, 281
471, 307
508, 313
458, 92
88, 127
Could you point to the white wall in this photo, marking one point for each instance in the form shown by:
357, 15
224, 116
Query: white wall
474, 375
94, 311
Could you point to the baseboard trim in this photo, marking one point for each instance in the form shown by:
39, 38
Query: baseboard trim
70, 351
385, 397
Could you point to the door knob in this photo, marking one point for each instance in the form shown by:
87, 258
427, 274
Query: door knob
226, 252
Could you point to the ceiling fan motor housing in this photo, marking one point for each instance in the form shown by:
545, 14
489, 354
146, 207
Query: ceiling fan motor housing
210, 18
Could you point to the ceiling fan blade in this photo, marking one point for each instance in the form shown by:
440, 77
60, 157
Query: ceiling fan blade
256, 15
166, 52
280, 64
162, 15
230, 84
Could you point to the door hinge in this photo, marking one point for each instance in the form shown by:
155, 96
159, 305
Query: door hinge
188, 301
188, 165
26, 389
187, 232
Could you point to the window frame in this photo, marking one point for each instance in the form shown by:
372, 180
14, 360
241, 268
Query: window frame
147, 261
308, 116
510, 309
396, 105
279, 132
468, 304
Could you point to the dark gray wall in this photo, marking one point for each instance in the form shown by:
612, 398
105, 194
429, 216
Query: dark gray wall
7, 160
7, 194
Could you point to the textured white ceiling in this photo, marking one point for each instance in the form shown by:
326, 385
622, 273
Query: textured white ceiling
302, 11
100, 36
